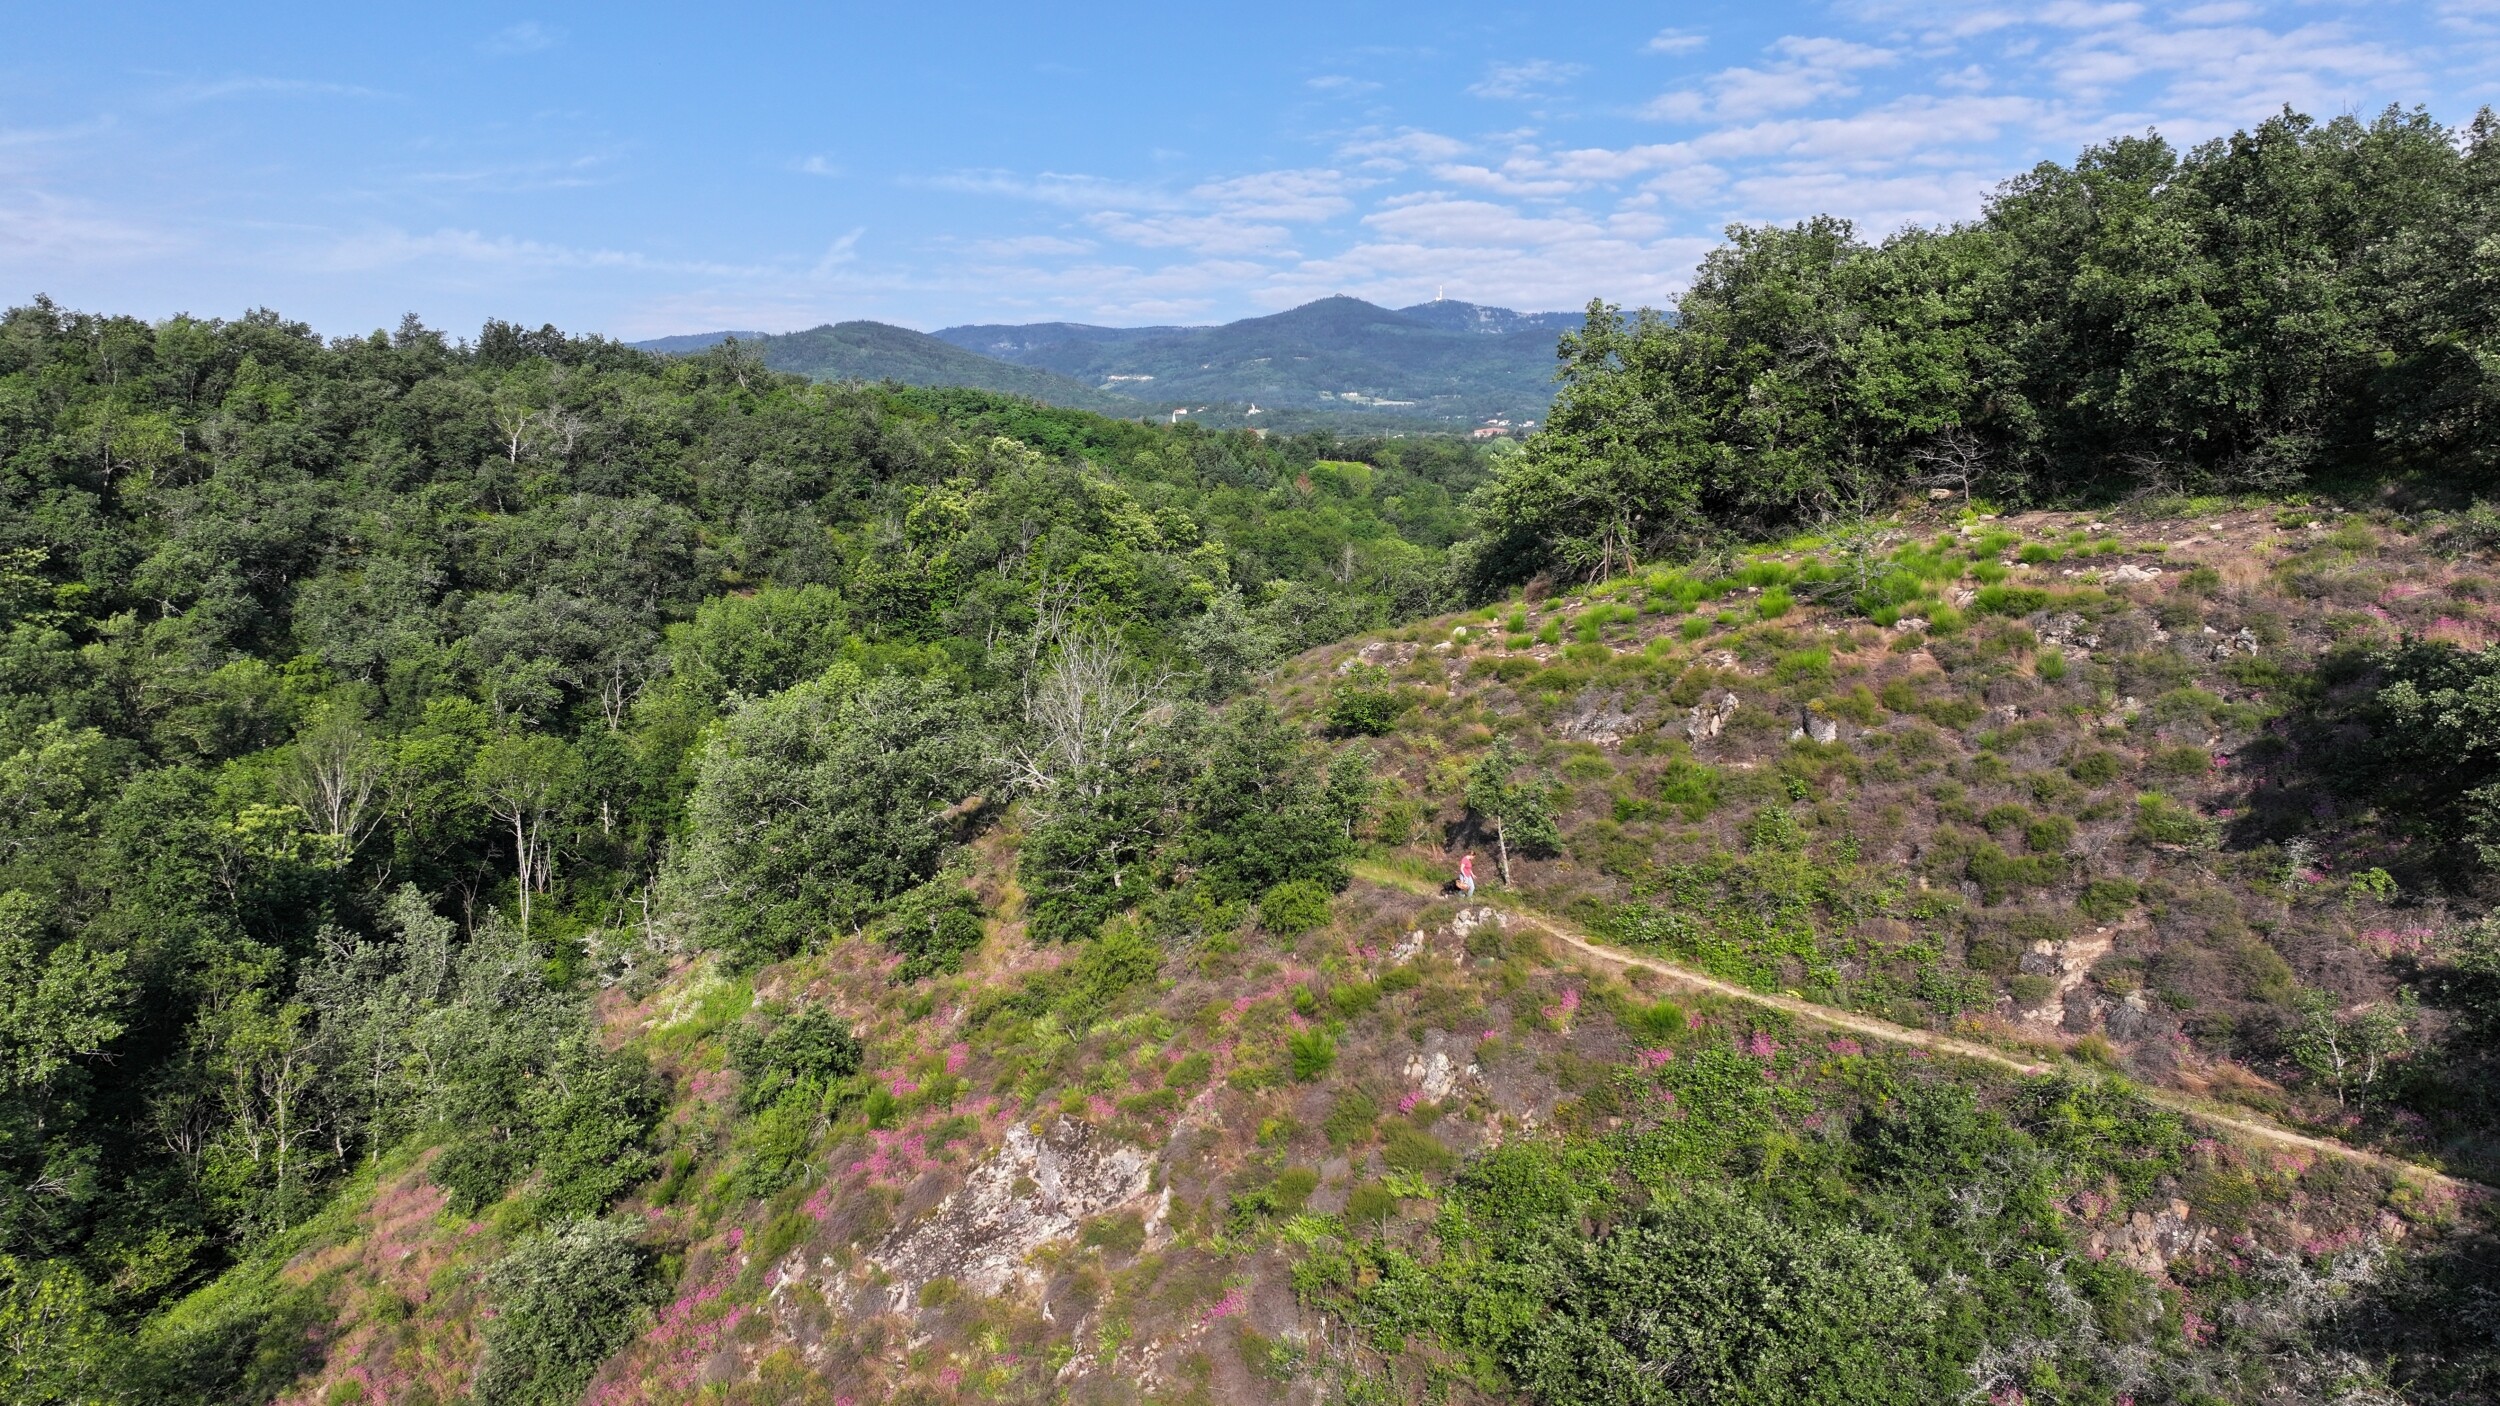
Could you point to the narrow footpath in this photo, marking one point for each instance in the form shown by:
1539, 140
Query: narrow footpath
2202, 1110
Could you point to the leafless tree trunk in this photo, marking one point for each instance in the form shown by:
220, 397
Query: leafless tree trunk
1955, 458
1082, 711
337, 778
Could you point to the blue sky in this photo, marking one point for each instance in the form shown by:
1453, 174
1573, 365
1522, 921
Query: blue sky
639, 170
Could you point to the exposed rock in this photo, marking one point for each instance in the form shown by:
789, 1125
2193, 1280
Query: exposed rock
1709, 717
2070, 630
2148, 1241
1436, 1075
1470, 919
1600, 718
1823, 730
2133, 572
2224, 646
1720, 659
2071, 963
1036, 1189
1385, 654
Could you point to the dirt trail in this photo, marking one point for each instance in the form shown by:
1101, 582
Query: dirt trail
2198, 1109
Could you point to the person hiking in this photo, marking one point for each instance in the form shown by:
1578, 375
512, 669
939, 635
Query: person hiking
1467, 874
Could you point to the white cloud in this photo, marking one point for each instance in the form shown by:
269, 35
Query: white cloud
1075, 191
1805, 70
1675, 41
1525, 79
1300, 196
815, 166
1394, 151
527, 37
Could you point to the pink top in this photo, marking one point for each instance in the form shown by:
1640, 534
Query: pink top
1467, 866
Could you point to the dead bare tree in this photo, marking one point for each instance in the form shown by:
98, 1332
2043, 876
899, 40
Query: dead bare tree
1955, 459
1083, 711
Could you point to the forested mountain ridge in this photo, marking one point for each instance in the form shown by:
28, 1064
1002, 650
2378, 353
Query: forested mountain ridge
537, 873
1338, 361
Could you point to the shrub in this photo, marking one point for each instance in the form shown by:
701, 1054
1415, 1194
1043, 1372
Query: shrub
1370, 1202
2095, 768
2107, 900
1352, 998
1295, 907
1313, 1053
2049, 834
1662, 1021
1731, 1304
2030, 990
1774, 603
2160, 820
806, 1048
933, 926
2013, 601
1358, 707
1411, 1149
2181, 761
1350, 1118
564, 1301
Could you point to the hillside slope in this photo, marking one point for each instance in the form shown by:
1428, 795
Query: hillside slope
1395, 1146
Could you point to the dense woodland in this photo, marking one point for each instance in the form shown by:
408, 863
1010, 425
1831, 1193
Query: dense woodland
2301, 303
369, 708
357, 693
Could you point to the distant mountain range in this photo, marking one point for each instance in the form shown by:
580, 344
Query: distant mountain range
1445, 362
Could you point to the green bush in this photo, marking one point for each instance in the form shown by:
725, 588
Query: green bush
2030, 990
1293, 908
1312, 1052
807, 1048
933, 926
1662, 1021
565, 1300
2181, 761
2107, 900
2096, 768
1410, 1149
1358, 709
2012, 601
1350, 1118
1730, 1304
2160, 820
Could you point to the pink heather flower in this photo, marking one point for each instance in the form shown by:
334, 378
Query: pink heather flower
957, 1056
1761, 1046
1845, 1046
1234, 1301
1099, 1108
1407, 1103
737, 1236
949, 1376
1490, 1035
1651, 1059
901, 1086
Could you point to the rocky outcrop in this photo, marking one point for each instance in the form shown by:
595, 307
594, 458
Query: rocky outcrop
1039, 1187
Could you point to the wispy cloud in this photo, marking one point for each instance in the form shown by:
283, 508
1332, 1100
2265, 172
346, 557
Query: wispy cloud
815, 166
527, 37
1675, 41
1804, 70
1528, 78
258, 85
